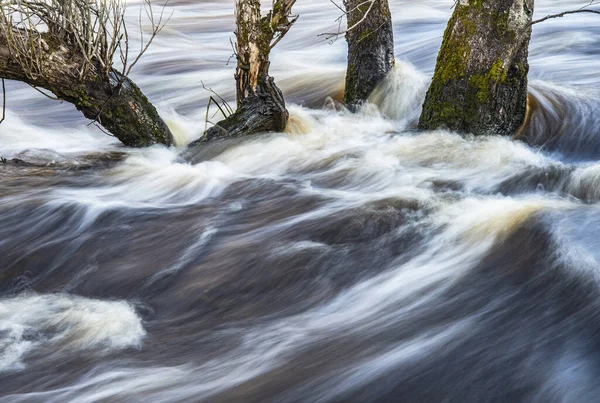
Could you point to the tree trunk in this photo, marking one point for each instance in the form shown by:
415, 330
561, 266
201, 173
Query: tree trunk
480, 80
370, 38
114, 101
260, 104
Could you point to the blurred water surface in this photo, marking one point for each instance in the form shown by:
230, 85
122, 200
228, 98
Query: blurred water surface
350, 258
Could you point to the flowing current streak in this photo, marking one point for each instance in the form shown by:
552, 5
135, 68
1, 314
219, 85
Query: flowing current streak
471, 227
345, 161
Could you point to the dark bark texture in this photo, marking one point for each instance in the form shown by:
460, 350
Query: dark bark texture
480, 80
370, 40
114, 101
260, 104
260, 112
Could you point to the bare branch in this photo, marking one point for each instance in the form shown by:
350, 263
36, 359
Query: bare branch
95, 30
365, 14
560, 15
281, 20
43, 93
227, 106
3, 102
156, 28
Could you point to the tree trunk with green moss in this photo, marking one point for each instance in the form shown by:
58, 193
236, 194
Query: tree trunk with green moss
114, 101
260, 104
480, 80
370, 38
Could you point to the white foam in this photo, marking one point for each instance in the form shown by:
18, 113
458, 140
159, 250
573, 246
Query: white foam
65, 323
401, 94
17, 136
585, 181
152, 177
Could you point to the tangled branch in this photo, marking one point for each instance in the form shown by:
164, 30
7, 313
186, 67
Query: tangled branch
280, 19
95, 30
363, 8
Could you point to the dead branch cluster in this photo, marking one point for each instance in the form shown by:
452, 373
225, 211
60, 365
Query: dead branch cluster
281, 19
94, 29
364, 8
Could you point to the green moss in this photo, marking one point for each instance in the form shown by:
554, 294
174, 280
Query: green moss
462, 115
277, 7
363, 8
480, 84
350, 89
79, 96
120, 113
364, 35
485, 85
456, 50
497, 72
454, 79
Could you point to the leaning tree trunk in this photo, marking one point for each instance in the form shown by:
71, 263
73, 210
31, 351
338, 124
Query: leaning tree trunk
112, 100
370, 38
480, 80
260, 104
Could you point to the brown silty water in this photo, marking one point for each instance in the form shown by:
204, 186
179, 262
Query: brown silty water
350, 258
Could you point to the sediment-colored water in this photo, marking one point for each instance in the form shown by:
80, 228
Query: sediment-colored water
351, 258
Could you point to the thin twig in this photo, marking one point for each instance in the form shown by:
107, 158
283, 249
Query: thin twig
44, 94
560, 15
156, 28
206, 120
102, 129
330, 35
229, 109
284, 31
3, 102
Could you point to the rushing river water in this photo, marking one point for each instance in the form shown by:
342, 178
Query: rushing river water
350, 259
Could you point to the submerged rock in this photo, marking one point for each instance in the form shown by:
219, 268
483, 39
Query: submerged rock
40, 157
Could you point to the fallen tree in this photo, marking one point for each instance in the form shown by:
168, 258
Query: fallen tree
260, 104
480, 80
67, 48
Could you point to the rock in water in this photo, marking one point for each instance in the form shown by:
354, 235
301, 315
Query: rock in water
40, 157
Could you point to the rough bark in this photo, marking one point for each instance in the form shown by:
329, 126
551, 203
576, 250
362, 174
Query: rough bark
260, 104
370, 38
260, 112
480, 80
114, 101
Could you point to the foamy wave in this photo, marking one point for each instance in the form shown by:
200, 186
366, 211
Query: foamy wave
475, 220
152, 177
401, 94
65, 323
17, 136
585, 183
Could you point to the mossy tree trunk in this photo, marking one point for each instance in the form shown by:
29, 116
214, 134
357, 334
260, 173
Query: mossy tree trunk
112, 100
260, 104
480, 80
370, 38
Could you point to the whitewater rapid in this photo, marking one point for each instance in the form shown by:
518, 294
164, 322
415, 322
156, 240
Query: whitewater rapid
350, 258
